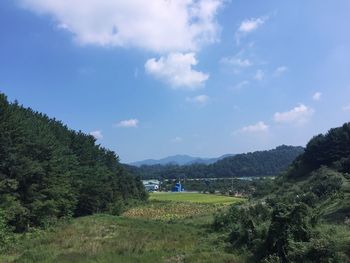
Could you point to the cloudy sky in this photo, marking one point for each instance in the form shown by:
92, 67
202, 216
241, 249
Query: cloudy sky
202, 77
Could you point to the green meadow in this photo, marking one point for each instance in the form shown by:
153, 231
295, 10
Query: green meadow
169, 228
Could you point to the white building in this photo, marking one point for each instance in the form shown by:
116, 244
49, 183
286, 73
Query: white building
151, 185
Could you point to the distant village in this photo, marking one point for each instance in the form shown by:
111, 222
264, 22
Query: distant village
207, 186
154, 186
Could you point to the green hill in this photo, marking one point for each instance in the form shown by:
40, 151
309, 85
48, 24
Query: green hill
48, 172
253, 164
304, 217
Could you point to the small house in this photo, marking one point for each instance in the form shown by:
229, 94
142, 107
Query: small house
151, 186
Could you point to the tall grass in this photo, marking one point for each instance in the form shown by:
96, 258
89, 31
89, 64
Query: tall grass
106, 238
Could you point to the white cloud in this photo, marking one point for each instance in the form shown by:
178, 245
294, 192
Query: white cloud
176, 69
201, 100
161, 26
237, 62
258, 127
297, 115
157, 25
241, 85
96, 134
280, 70
252, 24
259, 75
177, 140
249, 25
131, 123
317, 96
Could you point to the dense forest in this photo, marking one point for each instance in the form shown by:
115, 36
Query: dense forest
48, 171
254, 164
304, 215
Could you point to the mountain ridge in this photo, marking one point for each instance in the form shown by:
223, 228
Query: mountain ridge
179, 159
252, 164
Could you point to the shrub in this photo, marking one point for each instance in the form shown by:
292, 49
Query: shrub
324, 183
5, 233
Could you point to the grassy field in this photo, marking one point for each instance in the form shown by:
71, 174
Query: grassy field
194, 198
159, 231
186, 206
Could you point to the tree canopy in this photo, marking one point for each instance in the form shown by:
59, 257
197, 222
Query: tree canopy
48, 171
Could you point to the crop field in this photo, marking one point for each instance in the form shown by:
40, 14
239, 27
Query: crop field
169, 211
172, 206
194, 198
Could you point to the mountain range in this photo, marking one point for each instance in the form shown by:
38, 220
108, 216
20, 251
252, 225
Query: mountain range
179, 159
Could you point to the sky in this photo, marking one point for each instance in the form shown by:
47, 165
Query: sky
149, 79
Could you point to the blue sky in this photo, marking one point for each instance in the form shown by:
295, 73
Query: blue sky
203, 77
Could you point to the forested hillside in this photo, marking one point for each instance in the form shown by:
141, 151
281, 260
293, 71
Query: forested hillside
48, 171
254, 164
305, 215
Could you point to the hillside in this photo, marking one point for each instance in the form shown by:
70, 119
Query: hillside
48, 172
304, 215
255, 164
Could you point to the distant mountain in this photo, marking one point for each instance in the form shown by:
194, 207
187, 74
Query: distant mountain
253, 164
180, 159
209, 160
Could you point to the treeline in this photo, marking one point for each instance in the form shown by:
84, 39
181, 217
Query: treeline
226, 186
304, 215
254, 164
48, 171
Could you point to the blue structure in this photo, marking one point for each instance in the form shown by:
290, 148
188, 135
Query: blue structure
178, 188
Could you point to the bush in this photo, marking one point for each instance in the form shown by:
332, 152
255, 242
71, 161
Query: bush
321, 250
226, 220
325, 182
117, 208
5, 233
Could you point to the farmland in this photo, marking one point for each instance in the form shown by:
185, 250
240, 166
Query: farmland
194, 198
168, 228
187, 206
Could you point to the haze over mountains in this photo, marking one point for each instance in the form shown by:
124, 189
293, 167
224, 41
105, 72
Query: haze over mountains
180, 159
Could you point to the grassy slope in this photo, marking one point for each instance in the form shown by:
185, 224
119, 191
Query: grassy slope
334, 224
130, 238
332, 210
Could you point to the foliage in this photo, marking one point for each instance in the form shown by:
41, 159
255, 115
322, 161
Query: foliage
323, 150
293, 223
325, 182
48, 171
159, 232
5, 233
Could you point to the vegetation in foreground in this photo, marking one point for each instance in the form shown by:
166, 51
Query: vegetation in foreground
147, 236
305, 217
